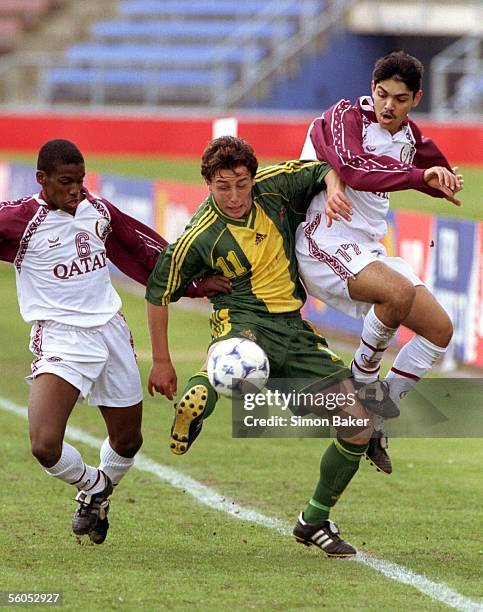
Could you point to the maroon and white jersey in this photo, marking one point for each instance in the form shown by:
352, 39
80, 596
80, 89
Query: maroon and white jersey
61, 260
371, 161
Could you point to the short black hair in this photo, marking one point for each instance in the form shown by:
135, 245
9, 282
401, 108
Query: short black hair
227, 153
58, 152
401, 66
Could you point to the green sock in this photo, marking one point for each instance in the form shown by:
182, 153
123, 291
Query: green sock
201, 378
338, 465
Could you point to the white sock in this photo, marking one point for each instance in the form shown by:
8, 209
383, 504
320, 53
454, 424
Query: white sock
375, 339
71, 469
413, 361
114, 465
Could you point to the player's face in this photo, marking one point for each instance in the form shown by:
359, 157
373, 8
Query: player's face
61, 188
392, 102
232, 190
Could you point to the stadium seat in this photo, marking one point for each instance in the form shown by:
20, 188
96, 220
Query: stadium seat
29, 11
176, 45
148, 31
195, 8
10, 27
135, 85
143, 54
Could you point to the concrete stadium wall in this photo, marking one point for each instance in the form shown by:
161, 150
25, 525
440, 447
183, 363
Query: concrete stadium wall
187, 137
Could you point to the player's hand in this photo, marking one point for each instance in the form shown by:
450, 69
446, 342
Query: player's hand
337, 207
454, 200
162, 379
459, 177
445, 181
216, 284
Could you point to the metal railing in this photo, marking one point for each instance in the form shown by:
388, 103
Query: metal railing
314, 24
460, 62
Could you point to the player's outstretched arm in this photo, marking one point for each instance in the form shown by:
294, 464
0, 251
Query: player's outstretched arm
162, 377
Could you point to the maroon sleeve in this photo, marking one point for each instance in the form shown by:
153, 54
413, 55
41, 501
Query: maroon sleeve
134, 248
14, 218
428, 155
196, 289
337, 139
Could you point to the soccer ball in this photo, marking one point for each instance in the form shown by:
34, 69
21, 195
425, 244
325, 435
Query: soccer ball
237, 366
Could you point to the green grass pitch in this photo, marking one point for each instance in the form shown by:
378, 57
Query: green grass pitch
166, 551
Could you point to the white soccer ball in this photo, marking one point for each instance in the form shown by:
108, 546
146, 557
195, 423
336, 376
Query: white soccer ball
237, 366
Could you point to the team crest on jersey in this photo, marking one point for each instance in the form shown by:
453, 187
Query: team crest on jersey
407, 153
54, 242
247, 333
103, 227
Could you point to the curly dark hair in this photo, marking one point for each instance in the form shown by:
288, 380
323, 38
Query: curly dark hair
227, 153
401, 66
57, 152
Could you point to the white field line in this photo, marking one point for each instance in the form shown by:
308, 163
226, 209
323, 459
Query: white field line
437, 591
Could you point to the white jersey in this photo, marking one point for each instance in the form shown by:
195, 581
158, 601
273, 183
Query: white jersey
369, 208
371, 161
61, 267
61, 260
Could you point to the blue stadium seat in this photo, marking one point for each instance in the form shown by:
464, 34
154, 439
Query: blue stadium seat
118, 76
196, 8
213, 29
176, 45
149, 85
143, 54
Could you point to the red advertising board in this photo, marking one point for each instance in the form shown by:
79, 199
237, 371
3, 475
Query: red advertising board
175, 204
186, 136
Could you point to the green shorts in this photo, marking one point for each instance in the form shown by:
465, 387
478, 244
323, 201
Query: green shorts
294, 348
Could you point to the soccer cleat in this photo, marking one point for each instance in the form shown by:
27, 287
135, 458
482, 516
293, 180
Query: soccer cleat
99, 533
325, 535
375, 397
377, 453
188, 419
91, 515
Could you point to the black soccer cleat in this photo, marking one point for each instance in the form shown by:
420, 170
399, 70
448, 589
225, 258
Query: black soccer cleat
92, 511
325, 535
99, 533
375, 397
377, 453
188, 419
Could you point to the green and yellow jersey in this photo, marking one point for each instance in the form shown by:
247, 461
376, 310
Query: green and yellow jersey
256, 252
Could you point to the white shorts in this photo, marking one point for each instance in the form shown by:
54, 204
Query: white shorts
99, 361
327, 262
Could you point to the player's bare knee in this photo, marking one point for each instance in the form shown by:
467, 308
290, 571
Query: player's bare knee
445, 332
47, 454
440, 332
401, 298
129, 446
